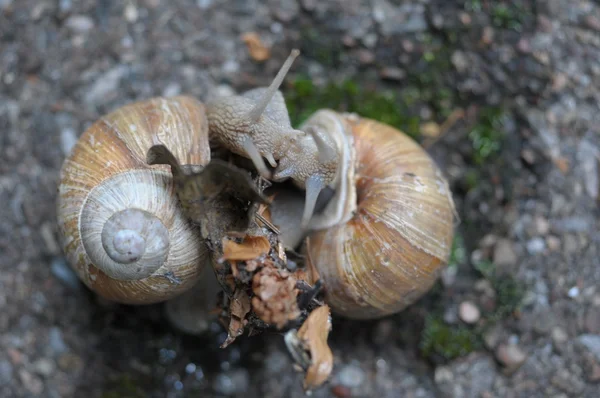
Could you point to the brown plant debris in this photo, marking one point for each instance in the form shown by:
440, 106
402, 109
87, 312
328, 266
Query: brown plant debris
275, 296
257, 49
239, 307
308, 346
252, 247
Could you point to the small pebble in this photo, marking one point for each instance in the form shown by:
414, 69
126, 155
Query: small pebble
553, 243
504, 253
32, 383
44, 367
57, 344
592, 343
351, 376
61, 271
6, 372
536, 246
468, 312
68, 139
559, 336
79, 23
511, 356
573, 292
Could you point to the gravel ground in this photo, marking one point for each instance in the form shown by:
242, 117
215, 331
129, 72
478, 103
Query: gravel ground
529, 206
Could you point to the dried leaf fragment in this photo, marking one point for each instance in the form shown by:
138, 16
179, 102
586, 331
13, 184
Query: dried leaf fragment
257, 49
275, 296
310, 349
238, 309
251, 248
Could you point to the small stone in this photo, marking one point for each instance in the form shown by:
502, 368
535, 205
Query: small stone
511, 356
105, 85
443, 375
349, 41
468, 312
559, 81
32, 383
351, 376
61, 271
6, 372
460, 61
465, 18
592, 321
79, 23
573, 292
553, 243
68, 139
204, 4
340, 391
232, 383
44, 367
504, 254
392, 73
365, 56
559, 336
543, 322
594, 372
370, 40
542, 225
131, 13
57, 344
536, 246
492, 337
592, 22
592, 343
528, 156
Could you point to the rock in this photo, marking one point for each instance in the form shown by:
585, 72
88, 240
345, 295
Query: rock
536, 246
553, 243
351, 375
592, 343
232, 383
44, 367
468, 312
68, 139
559, 336
460, 61
79, 23
6, 372
443, 375
56, 342
392, 73
568, 382
32, 383
511, 356
405, 18
504, 254
592, 321
105, 85
587, 156
65, 274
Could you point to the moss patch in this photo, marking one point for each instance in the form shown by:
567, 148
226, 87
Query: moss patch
487, 135
303, 98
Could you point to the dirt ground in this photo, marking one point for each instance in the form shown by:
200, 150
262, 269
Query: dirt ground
506, 98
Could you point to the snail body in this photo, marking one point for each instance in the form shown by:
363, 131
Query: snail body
378, 241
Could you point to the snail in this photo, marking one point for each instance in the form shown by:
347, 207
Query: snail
376, 208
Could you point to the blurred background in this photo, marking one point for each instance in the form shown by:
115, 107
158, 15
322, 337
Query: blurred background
503, 94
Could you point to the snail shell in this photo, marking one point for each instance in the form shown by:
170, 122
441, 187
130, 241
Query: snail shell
382, 240
121, 225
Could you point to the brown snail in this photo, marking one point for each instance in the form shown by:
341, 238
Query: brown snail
378, 242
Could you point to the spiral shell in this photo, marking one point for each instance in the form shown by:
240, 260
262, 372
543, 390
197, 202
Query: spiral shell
389, 250
122, 229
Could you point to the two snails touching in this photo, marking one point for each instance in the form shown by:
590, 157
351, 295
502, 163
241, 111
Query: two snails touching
376, 208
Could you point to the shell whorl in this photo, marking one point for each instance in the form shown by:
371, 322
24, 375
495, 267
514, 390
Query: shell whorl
391, 249
109, 198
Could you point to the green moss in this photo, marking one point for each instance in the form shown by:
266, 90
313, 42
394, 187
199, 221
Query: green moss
303, 98
447, 341
508, 15
509, 295
124, 386
487, 135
